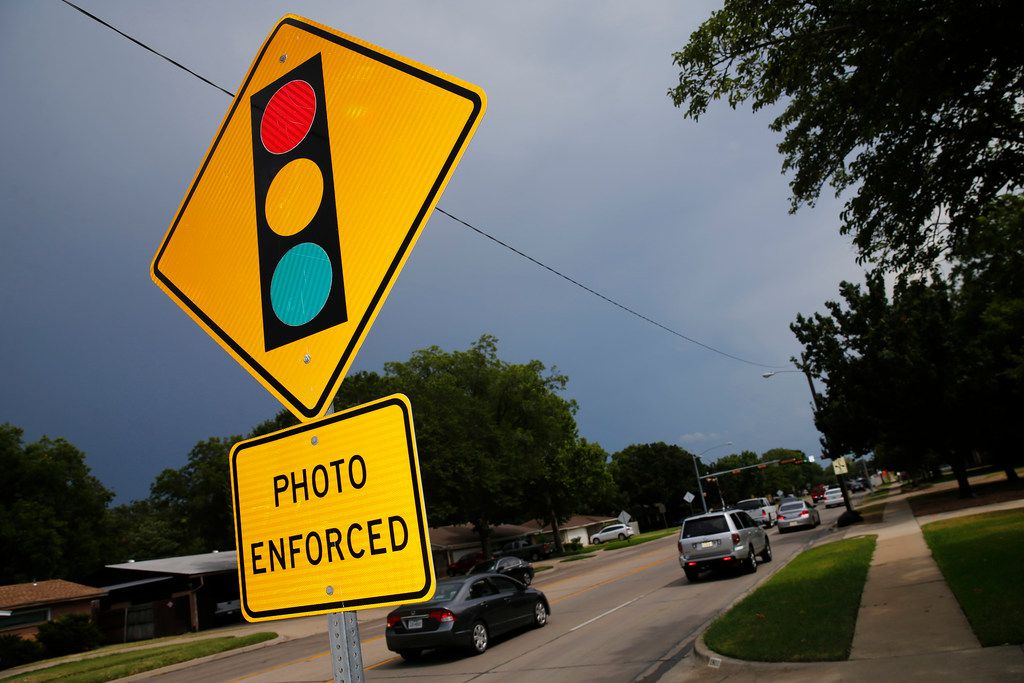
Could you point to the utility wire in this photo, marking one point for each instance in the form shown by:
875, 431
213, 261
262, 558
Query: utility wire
475, 229
147, 47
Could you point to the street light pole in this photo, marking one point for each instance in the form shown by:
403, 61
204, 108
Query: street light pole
817, 407
697, 472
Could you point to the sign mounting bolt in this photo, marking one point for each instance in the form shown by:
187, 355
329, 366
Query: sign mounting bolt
314, 441
330, 590
283, 58
306, 359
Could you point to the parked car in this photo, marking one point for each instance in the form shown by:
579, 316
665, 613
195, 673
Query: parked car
834, 498
465, 563
465, 612
612, 532
525, 550
760, 509
518, 569
722, 540
797, 513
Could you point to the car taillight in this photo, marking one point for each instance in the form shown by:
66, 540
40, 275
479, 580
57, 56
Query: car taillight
393, 620
804, 513
782, 516
691, 564
442, 615
763, 513
735, 539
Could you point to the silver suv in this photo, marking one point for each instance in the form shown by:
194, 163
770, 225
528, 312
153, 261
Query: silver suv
722, 540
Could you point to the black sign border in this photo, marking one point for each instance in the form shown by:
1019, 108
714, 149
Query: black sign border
292, 402
397, 400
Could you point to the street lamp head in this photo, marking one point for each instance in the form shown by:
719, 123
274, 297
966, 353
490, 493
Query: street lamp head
766, 375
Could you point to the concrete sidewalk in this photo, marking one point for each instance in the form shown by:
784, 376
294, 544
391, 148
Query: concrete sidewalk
910, 625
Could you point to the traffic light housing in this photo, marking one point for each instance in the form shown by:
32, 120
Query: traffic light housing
302, 289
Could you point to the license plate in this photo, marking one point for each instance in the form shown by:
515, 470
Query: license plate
413, 623
707, 544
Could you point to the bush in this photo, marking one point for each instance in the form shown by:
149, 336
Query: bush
68, 634
15, 651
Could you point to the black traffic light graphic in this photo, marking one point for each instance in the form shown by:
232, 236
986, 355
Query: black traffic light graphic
301, 284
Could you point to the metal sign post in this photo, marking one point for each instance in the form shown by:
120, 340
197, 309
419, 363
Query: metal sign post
346, 652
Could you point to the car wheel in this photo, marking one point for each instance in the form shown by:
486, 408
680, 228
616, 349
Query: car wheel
527, 578
479, 638
535, 556
691, 574
751, 564
540, 614
409, 655
766, 554
595, 540
622, 537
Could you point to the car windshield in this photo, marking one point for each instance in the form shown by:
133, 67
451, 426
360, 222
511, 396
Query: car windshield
791, 507
748, 504
484, 567
705, 526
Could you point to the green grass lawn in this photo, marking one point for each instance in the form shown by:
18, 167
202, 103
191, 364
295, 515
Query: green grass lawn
782, 621
121, 664
640, 538
982, 558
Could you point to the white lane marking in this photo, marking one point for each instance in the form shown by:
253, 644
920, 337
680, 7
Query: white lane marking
604, 614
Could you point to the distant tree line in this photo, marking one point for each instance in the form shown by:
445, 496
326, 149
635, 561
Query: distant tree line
498, 443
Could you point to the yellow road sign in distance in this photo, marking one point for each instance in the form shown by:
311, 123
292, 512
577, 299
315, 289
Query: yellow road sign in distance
309, 201
329, 515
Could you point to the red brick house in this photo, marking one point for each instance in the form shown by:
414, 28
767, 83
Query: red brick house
23, 606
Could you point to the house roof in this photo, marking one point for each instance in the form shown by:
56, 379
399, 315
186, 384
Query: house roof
187, 565
463, 534
46, 593
574, 522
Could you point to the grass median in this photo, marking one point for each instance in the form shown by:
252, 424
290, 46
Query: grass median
982, 559
113, 666
782, 621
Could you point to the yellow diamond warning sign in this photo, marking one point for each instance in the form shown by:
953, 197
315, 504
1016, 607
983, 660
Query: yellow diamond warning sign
329, 515
312, 195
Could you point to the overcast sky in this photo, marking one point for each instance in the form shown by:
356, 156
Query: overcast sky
581, 161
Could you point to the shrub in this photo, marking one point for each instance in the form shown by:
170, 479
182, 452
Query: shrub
68, 634
15, 651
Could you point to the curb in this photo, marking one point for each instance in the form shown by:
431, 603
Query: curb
170, 668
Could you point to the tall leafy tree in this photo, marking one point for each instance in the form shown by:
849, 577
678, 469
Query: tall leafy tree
491, 435
651, 475
912, 106
53, 511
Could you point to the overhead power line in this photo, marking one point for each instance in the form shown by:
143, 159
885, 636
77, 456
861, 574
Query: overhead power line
475, 229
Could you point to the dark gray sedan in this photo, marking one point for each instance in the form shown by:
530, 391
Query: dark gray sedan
465, 612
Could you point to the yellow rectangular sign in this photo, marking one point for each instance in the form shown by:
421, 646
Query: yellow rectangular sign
329, 515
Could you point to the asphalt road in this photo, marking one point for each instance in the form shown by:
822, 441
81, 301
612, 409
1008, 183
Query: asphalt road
618, 616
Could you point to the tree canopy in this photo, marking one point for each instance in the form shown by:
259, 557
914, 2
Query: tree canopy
932, 372
913, 106
52, 513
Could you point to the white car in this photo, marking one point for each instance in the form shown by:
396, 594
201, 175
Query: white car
834, 498
613, 532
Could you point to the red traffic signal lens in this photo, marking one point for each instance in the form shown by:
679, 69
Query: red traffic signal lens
288, 117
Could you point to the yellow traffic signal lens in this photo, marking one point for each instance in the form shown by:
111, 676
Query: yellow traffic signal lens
294, 197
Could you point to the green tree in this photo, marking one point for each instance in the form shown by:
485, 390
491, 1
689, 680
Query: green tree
195, 500
913, 107
52, 513
655, 475
490, 434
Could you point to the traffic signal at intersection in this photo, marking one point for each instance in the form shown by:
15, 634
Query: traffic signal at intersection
301, 285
